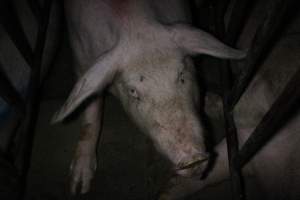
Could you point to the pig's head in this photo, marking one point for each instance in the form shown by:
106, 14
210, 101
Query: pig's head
154, 79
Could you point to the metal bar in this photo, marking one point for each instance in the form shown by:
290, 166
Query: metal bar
237, 20
275, 10
32, 107
260, 43
230, 128
235, 26
10, 169
237, 183
286, 105
58, 44
10, 94
24, 141
35, 8
9, 179
12, 25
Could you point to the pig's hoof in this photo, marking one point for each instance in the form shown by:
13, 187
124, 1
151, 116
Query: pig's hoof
82, 172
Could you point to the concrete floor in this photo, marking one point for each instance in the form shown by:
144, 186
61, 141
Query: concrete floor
123, 165
128, 167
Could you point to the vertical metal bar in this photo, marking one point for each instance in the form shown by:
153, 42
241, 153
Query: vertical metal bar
10, 94
58, 43
35, 8
9, 179
237, 183
286, 105
9, 20
237, 20
259, 45
230, 129
234, 27
231, 134
25, 138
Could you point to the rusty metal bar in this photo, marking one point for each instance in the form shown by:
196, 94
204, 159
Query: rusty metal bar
286, 105
9, 20
10, 94
266, 32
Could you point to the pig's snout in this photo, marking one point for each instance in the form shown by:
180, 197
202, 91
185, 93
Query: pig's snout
183, 144
195, 166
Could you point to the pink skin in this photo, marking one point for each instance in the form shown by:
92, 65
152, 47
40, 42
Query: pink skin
84, 163
106, 47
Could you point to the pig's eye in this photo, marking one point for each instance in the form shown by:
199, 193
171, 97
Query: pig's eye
134, 93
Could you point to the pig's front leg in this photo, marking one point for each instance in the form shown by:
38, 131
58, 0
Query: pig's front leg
84, 162
181, 187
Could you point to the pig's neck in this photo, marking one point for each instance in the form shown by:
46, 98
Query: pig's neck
132, 15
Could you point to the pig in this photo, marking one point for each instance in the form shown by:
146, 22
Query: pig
139, 51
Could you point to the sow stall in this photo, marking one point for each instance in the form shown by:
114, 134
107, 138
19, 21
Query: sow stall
285, 106
15, 162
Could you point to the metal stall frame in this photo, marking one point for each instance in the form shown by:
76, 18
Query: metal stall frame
282, 108
17, 160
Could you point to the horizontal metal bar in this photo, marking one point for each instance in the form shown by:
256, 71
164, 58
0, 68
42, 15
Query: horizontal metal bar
11, 23
274, 119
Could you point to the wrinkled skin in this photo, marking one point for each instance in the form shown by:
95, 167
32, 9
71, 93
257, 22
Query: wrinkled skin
124, 47
163, 102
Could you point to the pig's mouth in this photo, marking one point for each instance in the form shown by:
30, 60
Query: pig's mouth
191, 164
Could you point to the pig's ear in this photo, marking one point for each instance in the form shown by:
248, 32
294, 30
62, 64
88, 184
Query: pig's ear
93, 82
194, 41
